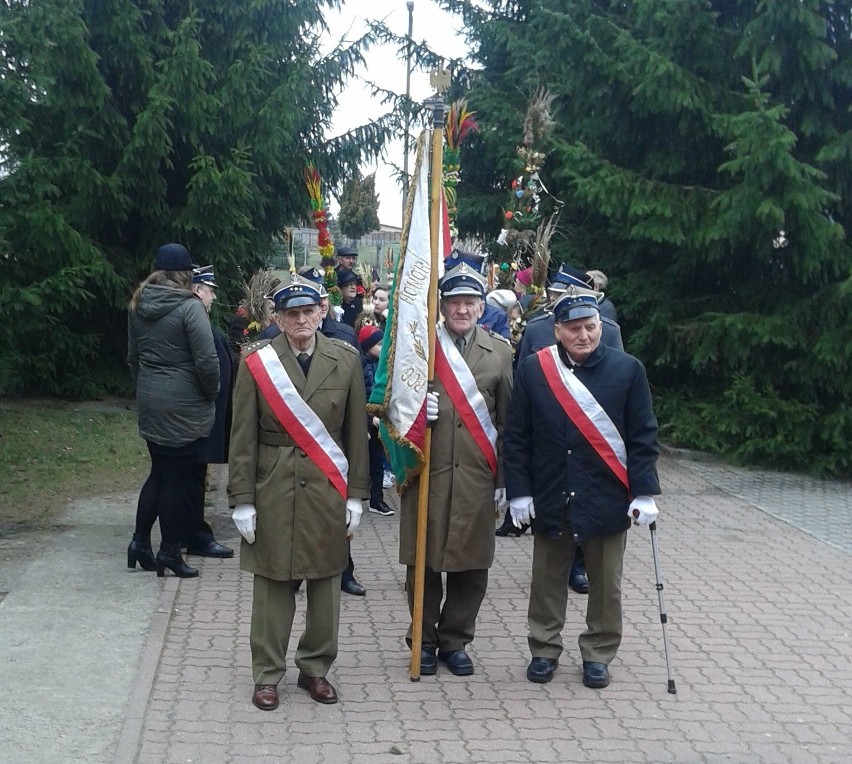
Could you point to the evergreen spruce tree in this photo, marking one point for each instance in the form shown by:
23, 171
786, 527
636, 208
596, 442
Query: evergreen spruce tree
703, 151
359, 207
126, 124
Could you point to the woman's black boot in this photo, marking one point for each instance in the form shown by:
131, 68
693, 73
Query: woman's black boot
140, 551
170, 557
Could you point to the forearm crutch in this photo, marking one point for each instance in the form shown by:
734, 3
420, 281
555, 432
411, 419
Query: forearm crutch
663, 616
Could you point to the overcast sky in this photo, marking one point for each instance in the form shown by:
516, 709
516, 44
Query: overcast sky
439, 30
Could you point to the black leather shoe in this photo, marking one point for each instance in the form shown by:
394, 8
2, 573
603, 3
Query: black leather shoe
577, 578
595, 674
351, 586
541, 670
210, 549
458, 662
428, 661
508, 527
578, 582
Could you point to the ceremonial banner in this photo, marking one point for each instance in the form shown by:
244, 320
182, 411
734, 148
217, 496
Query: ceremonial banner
402, 375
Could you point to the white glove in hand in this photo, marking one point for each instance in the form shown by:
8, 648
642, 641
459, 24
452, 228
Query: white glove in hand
354, 508
523, 511
431, 407
500, 498
643, 510
376, 422
245, 518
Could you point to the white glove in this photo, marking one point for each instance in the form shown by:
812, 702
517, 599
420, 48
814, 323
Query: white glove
523, 511
431, 407
245, 518
643, 510
500, 498
354, 508
376, 422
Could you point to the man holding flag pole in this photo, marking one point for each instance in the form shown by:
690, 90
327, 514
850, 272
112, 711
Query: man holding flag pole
448, 495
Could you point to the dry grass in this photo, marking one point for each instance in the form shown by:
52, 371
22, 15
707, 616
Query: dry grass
51, 452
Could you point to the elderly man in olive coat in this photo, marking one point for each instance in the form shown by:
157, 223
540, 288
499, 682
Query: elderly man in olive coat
298, 474
467, 410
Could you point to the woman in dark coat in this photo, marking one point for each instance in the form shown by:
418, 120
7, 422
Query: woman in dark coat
175, 371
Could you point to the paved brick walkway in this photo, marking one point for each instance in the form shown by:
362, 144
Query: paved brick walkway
759, 613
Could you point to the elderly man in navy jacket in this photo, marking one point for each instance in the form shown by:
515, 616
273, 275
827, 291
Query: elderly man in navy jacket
580, 454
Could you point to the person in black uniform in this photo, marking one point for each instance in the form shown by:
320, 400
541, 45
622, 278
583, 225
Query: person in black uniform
353, 303
579, 478
197, 535
540, 333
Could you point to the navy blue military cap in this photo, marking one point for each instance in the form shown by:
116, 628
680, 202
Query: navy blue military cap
473, 260
345, 276
173, 257
346, 252
310, 273
462, 280
568, 276
204, 275
297, 293
576, 303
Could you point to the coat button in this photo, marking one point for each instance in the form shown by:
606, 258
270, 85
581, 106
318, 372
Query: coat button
459, 424
568, 452
302, 483
573, 494
303, 454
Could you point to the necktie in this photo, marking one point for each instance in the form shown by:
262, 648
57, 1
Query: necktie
304, 361
460, 343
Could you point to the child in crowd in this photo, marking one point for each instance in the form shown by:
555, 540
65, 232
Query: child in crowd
370, 338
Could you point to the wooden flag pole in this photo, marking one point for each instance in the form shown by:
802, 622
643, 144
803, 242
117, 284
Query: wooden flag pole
437, 180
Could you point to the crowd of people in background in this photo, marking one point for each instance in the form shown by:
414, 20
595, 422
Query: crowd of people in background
288, 413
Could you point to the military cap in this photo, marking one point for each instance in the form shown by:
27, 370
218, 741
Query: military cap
473, 260
568, 276
576, 303
462, 280
295, 294
204, 275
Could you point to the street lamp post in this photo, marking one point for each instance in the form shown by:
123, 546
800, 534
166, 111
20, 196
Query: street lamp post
406, 137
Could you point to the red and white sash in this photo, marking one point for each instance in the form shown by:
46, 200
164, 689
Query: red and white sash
297, 418
461, 387
585, 412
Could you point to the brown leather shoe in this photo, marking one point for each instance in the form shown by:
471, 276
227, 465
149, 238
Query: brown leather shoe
265, 697
319, 687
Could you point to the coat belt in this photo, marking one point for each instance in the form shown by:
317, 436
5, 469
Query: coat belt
276, 439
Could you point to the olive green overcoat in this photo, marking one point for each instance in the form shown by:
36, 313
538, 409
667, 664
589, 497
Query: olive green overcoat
301, 517
460, 532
